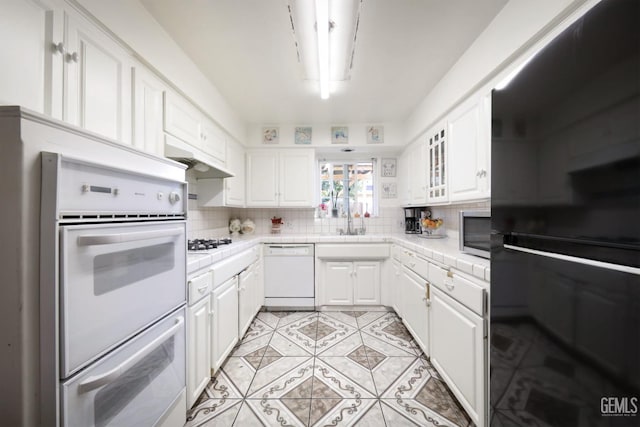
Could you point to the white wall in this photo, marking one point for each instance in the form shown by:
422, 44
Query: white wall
516, 28
135, 26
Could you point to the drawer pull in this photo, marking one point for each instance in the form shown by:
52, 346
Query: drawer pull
450, 274
201, 289
449, 286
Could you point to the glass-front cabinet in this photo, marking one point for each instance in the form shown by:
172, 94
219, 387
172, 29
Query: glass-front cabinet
436, 142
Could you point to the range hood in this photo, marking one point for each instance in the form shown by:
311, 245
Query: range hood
204, 165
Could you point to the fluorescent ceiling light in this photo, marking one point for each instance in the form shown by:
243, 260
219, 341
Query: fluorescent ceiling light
340, 18
322, 26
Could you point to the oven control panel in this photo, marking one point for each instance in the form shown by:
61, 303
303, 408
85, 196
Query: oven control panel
85, 189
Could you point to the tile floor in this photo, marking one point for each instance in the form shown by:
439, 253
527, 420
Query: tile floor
339, 368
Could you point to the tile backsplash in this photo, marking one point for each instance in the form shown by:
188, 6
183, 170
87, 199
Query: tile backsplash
214, 222
303, 221
450, 213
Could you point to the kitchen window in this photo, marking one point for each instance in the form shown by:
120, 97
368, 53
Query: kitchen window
347, 187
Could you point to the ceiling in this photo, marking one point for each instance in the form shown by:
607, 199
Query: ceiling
246, 49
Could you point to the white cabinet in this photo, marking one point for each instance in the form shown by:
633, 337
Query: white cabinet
458, 351
438, 165
213, 192
366, 283
198, 335
350, 283
280, 178
57, 62
336, 283
181, 119
31, 67
148, 92
234, 187
184, 121
97, 80
414, 307
417, 173
214, 141
224, 331
395, 293
198, 349
469, 149
404, 179
262, 178
247, 296
259, 283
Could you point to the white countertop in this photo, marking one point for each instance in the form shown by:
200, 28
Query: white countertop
444, 251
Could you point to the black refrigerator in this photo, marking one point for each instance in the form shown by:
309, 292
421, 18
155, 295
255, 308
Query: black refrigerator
565, 238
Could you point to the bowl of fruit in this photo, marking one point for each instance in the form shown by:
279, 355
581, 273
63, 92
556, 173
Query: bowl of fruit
432, 227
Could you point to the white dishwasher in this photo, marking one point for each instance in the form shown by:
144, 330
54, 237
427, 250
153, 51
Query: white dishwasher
289, 276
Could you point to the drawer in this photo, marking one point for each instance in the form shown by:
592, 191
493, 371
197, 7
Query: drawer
457, 287
417, 264
348, 251
229, 267
199, 287
398, 253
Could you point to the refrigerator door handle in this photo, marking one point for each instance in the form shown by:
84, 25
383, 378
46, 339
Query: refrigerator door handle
569, 258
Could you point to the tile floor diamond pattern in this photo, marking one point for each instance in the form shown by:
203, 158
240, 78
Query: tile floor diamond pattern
342, 368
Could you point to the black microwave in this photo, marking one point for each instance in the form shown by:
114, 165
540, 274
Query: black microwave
475, 232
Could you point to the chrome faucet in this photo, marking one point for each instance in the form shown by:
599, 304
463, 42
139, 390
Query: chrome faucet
351, 230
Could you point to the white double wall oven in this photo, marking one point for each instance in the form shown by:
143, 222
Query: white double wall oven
113, 323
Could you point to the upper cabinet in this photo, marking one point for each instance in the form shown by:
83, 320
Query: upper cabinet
31, 66
280, 178
438, 164
148, 92
470, 149
184, 121
57, 62
97, 80
415, 159
228, 191
235, 186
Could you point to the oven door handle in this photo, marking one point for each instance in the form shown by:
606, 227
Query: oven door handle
110, 239
591, 262
98, 381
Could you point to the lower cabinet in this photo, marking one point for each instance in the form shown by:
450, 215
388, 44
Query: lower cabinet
224, 331
394, 295
247, 297
350, 283
198, 349
458, 351
414, 307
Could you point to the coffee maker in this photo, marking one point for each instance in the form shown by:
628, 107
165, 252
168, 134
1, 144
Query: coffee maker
412, 221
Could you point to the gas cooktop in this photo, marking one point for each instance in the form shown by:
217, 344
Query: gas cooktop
200, 245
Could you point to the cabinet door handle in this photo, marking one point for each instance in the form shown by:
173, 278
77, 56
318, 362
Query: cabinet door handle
59, 47
73, 57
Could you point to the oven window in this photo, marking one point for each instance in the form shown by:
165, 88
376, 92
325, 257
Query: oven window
115, 270
113, 398
477, 233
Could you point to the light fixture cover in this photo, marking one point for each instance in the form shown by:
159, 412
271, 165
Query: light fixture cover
345, 15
